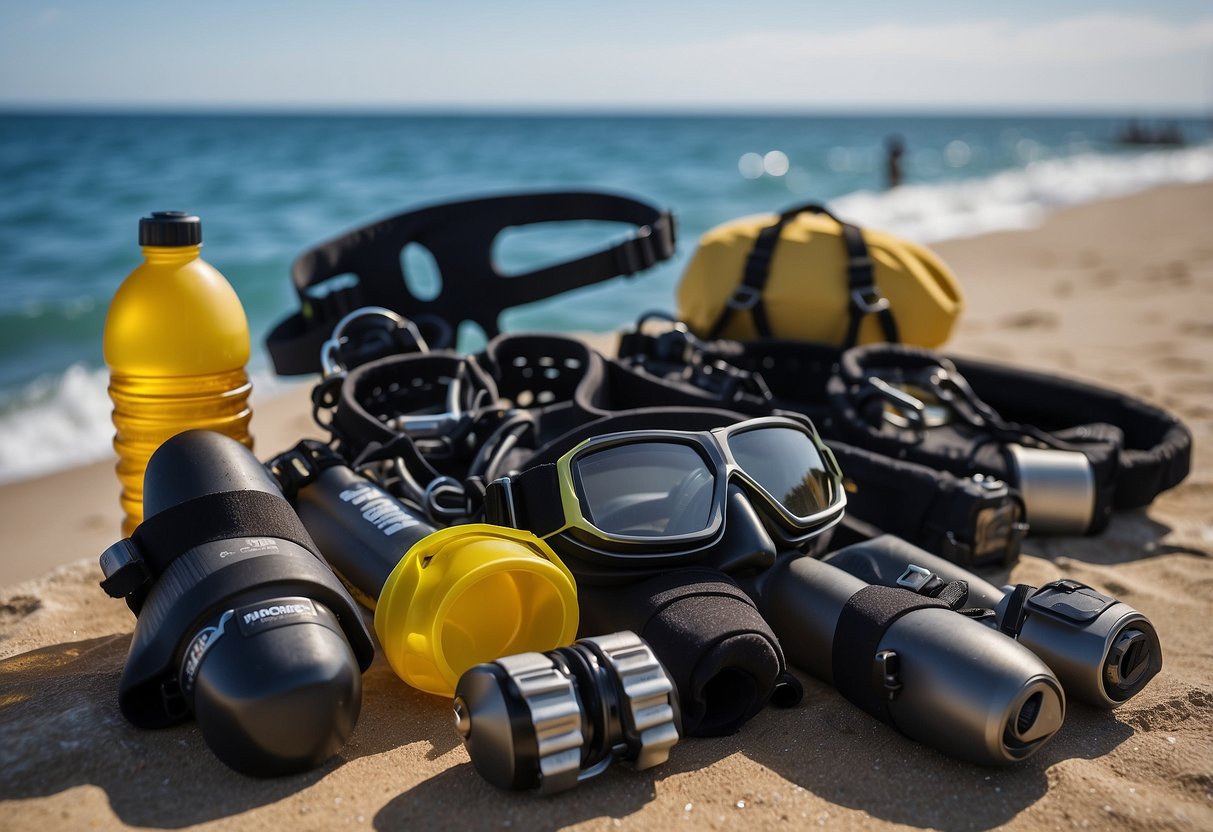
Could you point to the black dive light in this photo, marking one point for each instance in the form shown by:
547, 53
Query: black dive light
547, 721
913, 662
240, 622
1103, 651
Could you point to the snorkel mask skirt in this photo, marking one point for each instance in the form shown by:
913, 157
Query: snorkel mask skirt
471, 594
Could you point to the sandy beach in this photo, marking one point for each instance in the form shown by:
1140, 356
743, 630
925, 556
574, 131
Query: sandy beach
1118, 292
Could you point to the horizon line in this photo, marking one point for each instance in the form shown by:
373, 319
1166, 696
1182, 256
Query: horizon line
582, 110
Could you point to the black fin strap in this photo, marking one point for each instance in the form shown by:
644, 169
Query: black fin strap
1016, 611
861, 626
168, 534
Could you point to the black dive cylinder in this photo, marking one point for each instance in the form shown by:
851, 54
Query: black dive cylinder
362, 530
1103, 651
910, 661
239, 620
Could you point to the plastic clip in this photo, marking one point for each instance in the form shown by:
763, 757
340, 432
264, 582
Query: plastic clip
868, 300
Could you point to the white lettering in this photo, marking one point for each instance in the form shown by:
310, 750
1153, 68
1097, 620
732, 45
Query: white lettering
379, 509
276, 610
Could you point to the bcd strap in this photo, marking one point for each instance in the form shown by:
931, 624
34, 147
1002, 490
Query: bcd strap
460, 236
865, 297
860, 675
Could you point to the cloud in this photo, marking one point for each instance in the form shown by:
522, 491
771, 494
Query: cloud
1092, 38
1104, 60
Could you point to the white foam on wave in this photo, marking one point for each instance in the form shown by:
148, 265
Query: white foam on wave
1022, 197
62, 421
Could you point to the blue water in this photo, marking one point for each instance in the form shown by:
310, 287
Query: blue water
266, 188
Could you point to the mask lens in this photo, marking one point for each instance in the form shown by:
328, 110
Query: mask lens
787, 464
648, 489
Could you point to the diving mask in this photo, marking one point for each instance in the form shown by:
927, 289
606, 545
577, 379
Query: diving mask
659, 497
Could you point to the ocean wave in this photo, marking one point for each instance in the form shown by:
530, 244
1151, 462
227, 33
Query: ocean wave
1022, 197
61, 421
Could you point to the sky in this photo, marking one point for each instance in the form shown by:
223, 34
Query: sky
885, 55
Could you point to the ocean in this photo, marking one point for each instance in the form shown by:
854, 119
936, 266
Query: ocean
268, 187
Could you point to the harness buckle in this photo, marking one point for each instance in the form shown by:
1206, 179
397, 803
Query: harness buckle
637, 253
915, 578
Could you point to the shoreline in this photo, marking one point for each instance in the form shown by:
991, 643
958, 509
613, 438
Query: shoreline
1118, 292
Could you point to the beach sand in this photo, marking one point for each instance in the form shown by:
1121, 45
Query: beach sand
1119, 292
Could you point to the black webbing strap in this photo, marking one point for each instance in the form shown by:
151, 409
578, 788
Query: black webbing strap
168, 534
229, 514
861, 626
460, 236
865, 297
536, 503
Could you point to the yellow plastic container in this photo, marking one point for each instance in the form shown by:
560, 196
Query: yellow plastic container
176, 342
471, 594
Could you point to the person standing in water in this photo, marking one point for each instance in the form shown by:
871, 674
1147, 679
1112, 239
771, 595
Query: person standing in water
895, 148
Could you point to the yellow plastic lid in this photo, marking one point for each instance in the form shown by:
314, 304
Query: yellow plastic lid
471, 594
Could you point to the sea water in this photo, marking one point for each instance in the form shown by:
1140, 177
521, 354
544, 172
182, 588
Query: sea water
268, 187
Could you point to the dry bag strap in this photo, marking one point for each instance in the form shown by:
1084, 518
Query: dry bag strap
865, 297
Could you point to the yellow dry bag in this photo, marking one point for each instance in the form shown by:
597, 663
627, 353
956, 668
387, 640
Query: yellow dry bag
808, 276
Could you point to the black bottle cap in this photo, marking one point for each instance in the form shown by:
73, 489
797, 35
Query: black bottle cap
170, 228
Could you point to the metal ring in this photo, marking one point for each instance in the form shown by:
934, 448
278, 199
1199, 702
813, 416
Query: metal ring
438, 512
330, 351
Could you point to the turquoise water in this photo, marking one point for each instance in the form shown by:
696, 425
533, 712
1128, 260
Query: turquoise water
269, 187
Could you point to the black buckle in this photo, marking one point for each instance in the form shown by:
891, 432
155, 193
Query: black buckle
637, 253
915, 578
886, 673
294, 470
744, 297
124, 569
868, 300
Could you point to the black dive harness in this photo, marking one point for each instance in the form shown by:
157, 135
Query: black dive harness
460, 236
896, 415
948, 454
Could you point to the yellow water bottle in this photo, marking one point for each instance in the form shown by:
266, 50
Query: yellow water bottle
176, 342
